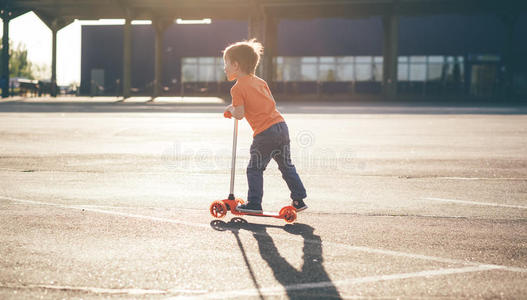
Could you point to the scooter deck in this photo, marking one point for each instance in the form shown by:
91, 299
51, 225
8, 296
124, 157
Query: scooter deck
263, 214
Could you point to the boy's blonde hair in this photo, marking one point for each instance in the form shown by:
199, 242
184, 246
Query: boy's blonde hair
246, 53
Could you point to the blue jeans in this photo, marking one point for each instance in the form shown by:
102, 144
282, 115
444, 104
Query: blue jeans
272, 143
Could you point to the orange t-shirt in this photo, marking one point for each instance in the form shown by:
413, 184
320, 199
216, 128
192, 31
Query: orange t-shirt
260, 108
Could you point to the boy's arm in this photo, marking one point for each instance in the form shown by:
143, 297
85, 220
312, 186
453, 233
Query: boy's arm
238, 100
237, 111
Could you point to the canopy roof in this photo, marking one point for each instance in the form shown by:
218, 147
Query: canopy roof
240, 9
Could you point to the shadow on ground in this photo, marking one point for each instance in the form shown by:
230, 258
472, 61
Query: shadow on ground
312, 281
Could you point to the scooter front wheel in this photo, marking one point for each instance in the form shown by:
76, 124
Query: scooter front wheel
218, 209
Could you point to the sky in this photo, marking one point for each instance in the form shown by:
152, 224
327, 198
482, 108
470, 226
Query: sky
36, 36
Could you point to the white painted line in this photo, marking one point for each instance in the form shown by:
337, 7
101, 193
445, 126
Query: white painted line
476, 203
403, 254
84, 206
481, 178
109, 212
11, 170
351, 281
280, 236
173, 221
419, 256
96, 290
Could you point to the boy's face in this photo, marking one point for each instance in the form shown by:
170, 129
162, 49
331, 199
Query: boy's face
231, 69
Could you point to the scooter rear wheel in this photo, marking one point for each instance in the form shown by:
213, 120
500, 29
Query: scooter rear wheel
289, 215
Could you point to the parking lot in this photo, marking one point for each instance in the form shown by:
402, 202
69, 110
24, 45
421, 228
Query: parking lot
111, 199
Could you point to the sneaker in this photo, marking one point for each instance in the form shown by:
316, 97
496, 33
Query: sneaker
299, 205
250, 208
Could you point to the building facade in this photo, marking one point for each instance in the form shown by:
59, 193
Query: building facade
439, 55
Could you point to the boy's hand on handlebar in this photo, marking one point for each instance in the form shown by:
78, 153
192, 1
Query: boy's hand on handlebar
228, 112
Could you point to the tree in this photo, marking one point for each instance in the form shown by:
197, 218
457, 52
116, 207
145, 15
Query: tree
19, 65
41, 71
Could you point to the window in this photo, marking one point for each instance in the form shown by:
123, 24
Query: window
278, 63
189, 69
431, 68
345, 68
378, 68
327, 68
436, 65
309, 68
454, 69
363, 67
403, 69
291, 67
366, 68
418, 68
202, 69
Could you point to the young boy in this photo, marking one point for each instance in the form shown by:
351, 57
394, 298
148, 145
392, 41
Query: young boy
252, 99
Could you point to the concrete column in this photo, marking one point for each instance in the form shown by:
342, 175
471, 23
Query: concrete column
270, 47
390, 54
160, 25
256, 20
127, 56
54, 62
54, 24
264, 27
507, 84
6, 17
257, 29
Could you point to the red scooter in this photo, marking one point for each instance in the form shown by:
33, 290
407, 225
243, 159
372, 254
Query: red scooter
219, 208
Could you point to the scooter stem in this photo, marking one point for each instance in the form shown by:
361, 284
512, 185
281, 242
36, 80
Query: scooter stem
233, 161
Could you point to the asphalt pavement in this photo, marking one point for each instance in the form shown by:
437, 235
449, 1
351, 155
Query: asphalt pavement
108, 199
